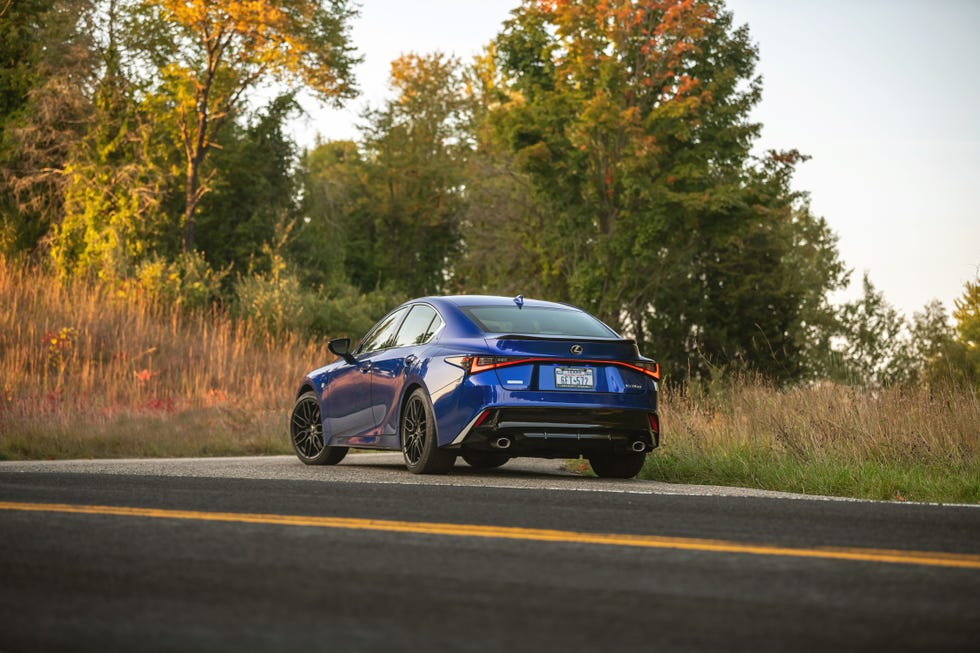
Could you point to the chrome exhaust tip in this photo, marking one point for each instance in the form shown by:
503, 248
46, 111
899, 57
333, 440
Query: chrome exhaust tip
502, 443
639, 445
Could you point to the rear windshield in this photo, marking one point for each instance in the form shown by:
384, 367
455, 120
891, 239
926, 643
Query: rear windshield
538, 321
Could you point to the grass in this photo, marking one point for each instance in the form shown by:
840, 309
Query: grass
89, 370
914, 443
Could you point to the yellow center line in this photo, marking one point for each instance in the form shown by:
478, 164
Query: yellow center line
928, 558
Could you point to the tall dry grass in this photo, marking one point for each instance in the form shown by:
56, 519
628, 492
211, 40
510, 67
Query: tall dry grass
89, 370
904, 442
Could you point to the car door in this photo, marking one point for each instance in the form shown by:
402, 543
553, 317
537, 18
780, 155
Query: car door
347, 409
388, 373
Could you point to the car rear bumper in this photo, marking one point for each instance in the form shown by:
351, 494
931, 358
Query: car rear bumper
560, 432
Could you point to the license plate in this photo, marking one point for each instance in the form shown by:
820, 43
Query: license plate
575, 378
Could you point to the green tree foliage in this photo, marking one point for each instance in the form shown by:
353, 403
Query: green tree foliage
630, 122
46, 68
278, 300
967, 315
398, 199
872, 344
503, 222
745, 285
186, 282
335, 238
253, 189
505, 216
204, 57
965, 359
936, 352
875, 349
116, 178
114, 108
416, 147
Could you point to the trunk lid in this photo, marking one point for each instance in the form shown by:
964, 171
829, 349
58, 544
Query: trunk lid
567, 364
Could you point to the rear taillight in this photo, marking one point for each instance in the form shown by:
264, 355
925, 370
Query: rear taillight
654, 422
476, 363
651, 368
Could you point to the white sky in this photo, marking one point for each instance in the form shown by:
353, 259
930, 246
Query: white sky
883, 94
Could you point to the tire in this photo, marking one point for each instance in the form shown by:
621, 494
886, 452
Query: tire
306, 433
485, 459
624, 465
420, 447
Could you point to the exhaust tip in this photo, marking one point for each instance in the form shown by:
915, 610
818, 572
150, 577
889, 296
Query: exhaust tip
502, 443
639, 445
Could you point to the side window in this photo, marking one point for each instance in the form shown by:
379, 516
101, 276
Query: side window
382, 334
434, 328
419, 327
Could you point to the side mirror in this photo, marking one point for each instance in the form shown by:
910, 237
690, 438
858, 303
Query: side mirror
341, 347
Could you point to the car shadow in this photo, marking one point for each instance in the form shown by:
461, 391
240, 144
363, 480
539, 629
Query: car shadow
517, 468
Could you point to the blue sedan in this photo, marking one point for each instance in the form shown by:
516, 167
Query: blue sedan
486, 379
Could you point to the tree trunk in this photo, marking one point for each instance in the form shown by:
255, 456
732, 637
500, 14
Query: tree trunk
190, 205
637, 315
196, 153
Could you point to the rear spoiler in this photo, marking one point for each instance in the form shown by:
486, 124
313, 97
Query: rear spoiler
525, 336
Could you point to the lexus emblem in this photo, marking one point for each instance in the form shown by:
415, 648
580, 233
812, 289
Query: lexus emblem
577, 349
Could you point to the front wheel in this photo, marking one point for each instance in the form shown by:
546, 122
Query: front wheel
306, 433
418, 435
623, 465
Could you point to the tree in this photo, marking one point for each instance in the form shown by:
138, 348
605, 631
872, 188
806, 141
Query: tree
253, 188
415, 149
207, 56
875, 345
116, 184
390, 210
502, 219
505, 215
967, 315
631, 122
935, 350
875, 349
965, 359
335, 238
49, 64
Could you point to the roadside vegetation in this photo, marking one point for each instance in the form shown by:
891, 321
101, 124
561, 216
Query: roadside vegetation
90, 371
93, 371
914, 442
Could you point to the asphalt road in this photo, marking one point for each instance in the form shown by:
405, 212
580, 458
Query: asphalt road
267, 554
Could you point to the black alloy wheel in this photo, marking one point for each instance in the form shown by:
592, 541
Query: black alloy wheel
306, 431
418, 435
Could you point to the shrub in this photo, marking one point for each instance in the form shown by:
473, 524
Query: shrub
188, 282
278, 303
